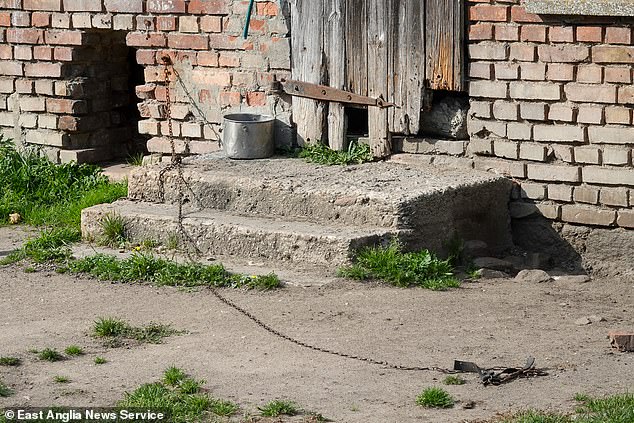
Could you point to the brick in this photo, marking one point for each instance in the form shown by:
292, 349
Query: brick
259, 99
163, 145
188, 24
65, 106
505, 110
586, 195
590, 74
622, 340
523, 52
549, 172
614, 197
507, 32
519, 131
506, 149
605, 176
230, 98
558, 133
52, 5
533, 71
124, 6
533, 33
562, 153
32, 104
20, 19
268, 8
618, 35
229, 60
480, 146
25, 36
519, 14
481, 70
480, 109
533, 111
60, 37
23, 52
626, 220
43, 53
208, 7
590, 114
211, 24
616, 156
533, 191
481, 32
560, 72
618, 74
43, 69
626, 95
488, 89
588, 93
83, 5
208, 58
563, 53
139, 39
188, 41
535, 91
485, 128
501, 166
52, 138
587, 215
561, 112
618, 115
6, 52
561, 34
41, 19
534, 152
506, 71
611, 135
488, 51
489, 13
24, 86
560, 192
166, 6
192, 130
613, 54
589, 34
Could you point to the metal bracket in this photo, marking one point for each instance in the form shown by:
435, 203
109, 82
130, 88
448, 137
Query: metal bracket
325, 93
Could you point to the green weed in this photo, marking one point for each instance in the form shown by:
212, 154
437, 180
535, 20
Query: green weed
277, 408
173, 376
114, 331
49, 354
136, 159
319, 153
109, 327
172, 242
390, 264
435, 398
10, 361
29, 269
100, 360
112, 230
147, 268
61, 379
223, 408
5, 391
453, 380
73, 350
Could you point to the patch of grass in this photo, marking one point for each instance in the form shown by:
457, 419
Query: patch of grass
5, 391
112, 228
61, 379
613, 409
533, 416
74, 350
49, 354
115, 330
173, 376
453, 380
143, 267
319, 153
191, 386
100, 360
435, 398
277, 408
136, 159
10, 361
50, 196
474, 273
29, 269
172, 242
390, 264
183, 407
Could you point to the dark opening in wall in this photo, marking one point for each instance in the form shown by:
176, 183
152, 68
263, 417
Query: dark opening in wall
357, 119
446, 115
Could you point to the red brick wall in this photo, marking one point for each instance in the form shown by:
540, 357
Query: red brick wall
551, 106
61, 71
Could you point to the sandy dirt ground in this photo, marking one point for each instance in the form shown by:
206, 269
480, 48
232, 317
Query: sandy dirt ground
495, 322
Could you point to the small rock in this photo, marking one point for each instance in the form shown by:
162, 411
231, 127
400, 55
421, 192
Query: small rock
15, 218
622, 340
582, 321
469, 405
492, 263
573, 279
493, 274
596, 319
533, 276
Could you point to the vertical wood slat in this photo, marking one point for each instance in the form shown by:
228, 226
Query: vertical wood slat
356, 39
445, 33
308, 65
378, 14
336, 50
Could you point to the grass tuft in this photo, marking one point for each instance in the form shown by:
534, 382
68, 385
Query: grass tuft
112, 227
454, 380
10, 361
390, 264
143, 267
277, 408
136, 159
61, 379
74, 350
109, 327
223, 408
613, 409
49, 354
173, 376
435, 398
100, 360
116, 330
5, 391
319, 153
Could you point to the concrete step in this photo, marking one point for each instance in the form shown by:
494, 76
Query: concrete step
222, 232
432, 202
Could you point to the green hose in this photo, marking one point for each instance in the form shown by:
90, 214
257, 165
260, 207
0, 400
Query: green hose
249, 13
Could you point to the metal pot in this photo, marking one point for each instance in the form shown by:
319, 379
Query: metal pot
248, 136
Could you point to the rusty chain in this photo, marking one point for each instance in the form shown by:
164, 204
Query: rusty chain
176, 163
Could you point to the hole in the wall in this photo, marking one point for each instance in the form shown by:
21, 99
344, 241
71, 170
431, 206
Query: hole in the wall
357, 119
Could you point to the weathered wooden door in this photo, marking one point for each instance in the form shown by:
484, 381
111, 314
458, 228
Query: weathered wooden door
394, 49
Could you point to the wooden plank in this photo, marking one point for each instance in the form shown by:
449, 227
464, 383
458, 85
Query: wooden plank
378, 14
356, 39
336, 25
440, 30
308, 66
460, 56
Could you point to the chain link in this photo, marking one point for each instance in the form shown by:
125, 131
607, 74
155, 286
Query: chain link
177, 164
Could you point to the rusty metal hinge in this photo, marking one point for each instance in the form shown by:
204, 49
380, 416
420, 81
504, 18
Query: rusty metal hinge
325, 93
